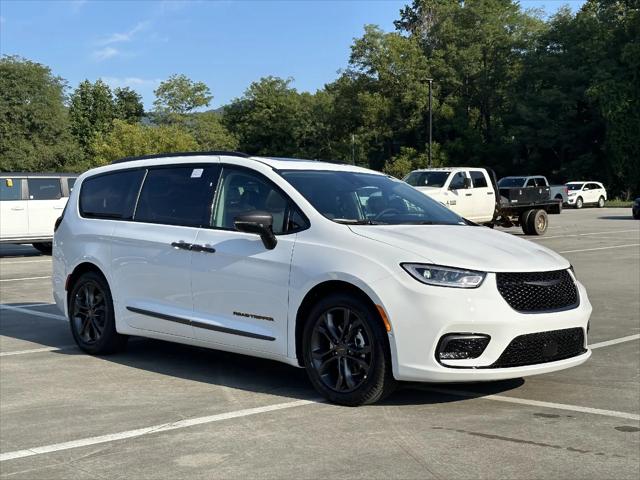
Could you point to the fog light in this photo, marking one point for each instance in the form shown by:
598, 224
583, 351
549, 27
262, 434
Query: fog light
462, 346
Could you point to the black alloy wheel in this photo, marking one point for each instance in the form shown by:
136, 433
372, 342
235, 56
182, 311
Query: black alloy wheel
91, 316
346, 352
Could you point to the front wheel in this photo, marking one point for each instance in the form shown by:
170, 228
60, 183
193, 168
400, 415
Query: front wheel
92, 317
601, 202
579, 203
346, 353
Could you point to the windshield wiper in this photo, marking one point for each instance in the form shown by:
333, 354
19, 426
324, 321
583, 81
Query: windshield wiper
353, 221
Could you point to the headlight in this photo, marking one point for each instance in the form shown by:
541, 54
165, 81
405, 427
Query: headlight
444, 276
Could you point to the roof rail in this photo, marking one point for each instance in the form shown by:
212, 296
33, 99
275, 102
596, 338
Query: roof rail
182, 154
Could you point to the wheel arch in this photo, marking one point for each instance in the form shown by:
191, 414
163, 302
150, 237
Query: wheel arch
321, 290
78, 271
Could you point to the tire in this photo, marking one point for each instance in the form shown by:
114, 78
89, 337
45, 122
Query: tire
601, 202
329, 352
538, 222
524, 221
91, 316
579, 203
43, 247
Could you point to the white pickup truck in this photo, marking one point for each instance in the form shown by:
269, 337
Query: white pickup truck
473, 194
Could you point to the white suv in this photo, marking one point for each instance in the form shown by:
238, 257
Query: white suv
350, 273
583, 193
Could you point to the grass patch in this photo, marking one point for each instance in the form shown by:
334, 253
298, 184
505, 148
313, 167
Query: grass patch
618, 203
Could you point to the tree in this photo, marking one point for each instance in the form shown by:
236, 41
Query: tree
128, 105
34, 125
179, 95
209, 132
126, 139
92, 111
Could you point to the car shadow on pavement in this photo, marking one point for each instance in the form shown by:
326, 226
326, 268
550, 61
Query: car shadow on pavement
216, 367
618, 217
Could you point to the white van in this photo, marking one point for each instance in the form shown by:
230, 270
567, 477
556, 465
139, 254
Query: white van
350, 273
30, 203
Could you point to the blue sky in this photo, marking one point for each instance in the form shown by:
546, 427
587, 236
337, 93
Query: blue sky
226, 44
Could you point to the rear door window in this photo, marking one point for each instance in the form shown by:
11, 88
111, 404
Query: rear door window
10, 189
479, 180
178, 195
44, 188
112, 195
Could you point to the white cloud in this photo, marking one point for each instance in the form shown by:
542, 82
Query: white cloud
127, 36
105, 53
133, 82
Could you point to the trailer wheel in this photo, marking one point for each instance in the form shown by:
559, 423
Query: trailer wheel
538, 222
524, 221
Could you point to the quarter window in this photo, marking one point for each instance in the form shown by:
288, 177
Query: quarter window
44, 188
11, 189
178, 195
111, 195
479, 180
242, 192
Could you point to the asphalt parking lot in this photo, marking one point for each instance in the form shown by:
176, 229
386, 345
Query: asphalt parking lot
161, 410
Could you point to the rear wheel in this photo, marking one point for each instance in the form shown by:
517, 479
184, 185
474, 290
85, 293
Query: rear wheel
346, 352
601, 202
538, 222
43, 247
92, 317
579, 203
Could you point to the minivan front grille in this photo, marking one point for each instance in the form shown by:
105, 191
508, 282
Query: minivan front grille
535, 292
542, 347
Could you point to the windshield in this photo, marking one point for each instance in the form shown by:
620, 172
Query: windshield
427, 179
511, 182
368, 199
575, 186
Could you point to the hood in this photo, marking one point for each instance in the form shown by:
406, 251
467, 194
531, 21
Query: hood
475, 248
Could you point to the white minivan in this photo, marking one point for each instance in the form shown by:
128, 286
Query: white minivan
30, 203
347, 272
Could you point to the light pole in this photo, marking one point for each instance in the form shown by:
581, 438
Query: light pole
430, 80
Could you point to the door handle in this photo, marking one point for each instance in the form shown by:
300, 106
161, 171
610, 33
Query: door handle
489, 193
202, 248
467, 194
181, 245
17, 209
58, 208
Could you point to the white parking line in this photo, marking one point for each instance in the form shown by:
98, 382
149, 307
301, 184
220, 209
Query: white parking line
33, 312
149, 430
615, 341
583, 234
25, 261
536, 403
601, 248
38, 350
23, 278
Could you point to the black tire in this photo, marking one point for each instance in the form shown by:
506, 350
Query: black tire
336, 342
579, 203
601, 202
524, 221
91, 316
43, 247
538, 222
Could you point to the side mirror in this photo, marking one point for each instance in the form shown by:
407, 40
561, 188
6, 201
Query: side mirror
585, 189
259, 223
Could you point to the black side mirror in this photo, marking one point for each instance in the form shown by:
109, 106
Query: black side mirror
260, 223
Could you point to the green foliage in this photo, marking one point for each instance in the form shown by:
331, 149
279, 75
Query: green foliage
410, 159
209, 133
179, 95
128, 105
34, 125
126, 139
91, 110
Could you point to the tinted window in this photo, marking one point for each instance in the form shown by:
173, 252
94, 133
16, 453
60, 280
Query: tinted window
575, 186
178, 195
530, 183
479, 180
511, 182
44, 188
11, 189
457, 182
242, 192
365, 198
541, 182
110, 196
594, 186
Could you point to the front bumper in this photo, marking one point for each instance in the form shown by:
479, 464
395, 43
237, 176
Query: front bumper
420, 315
572, 200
